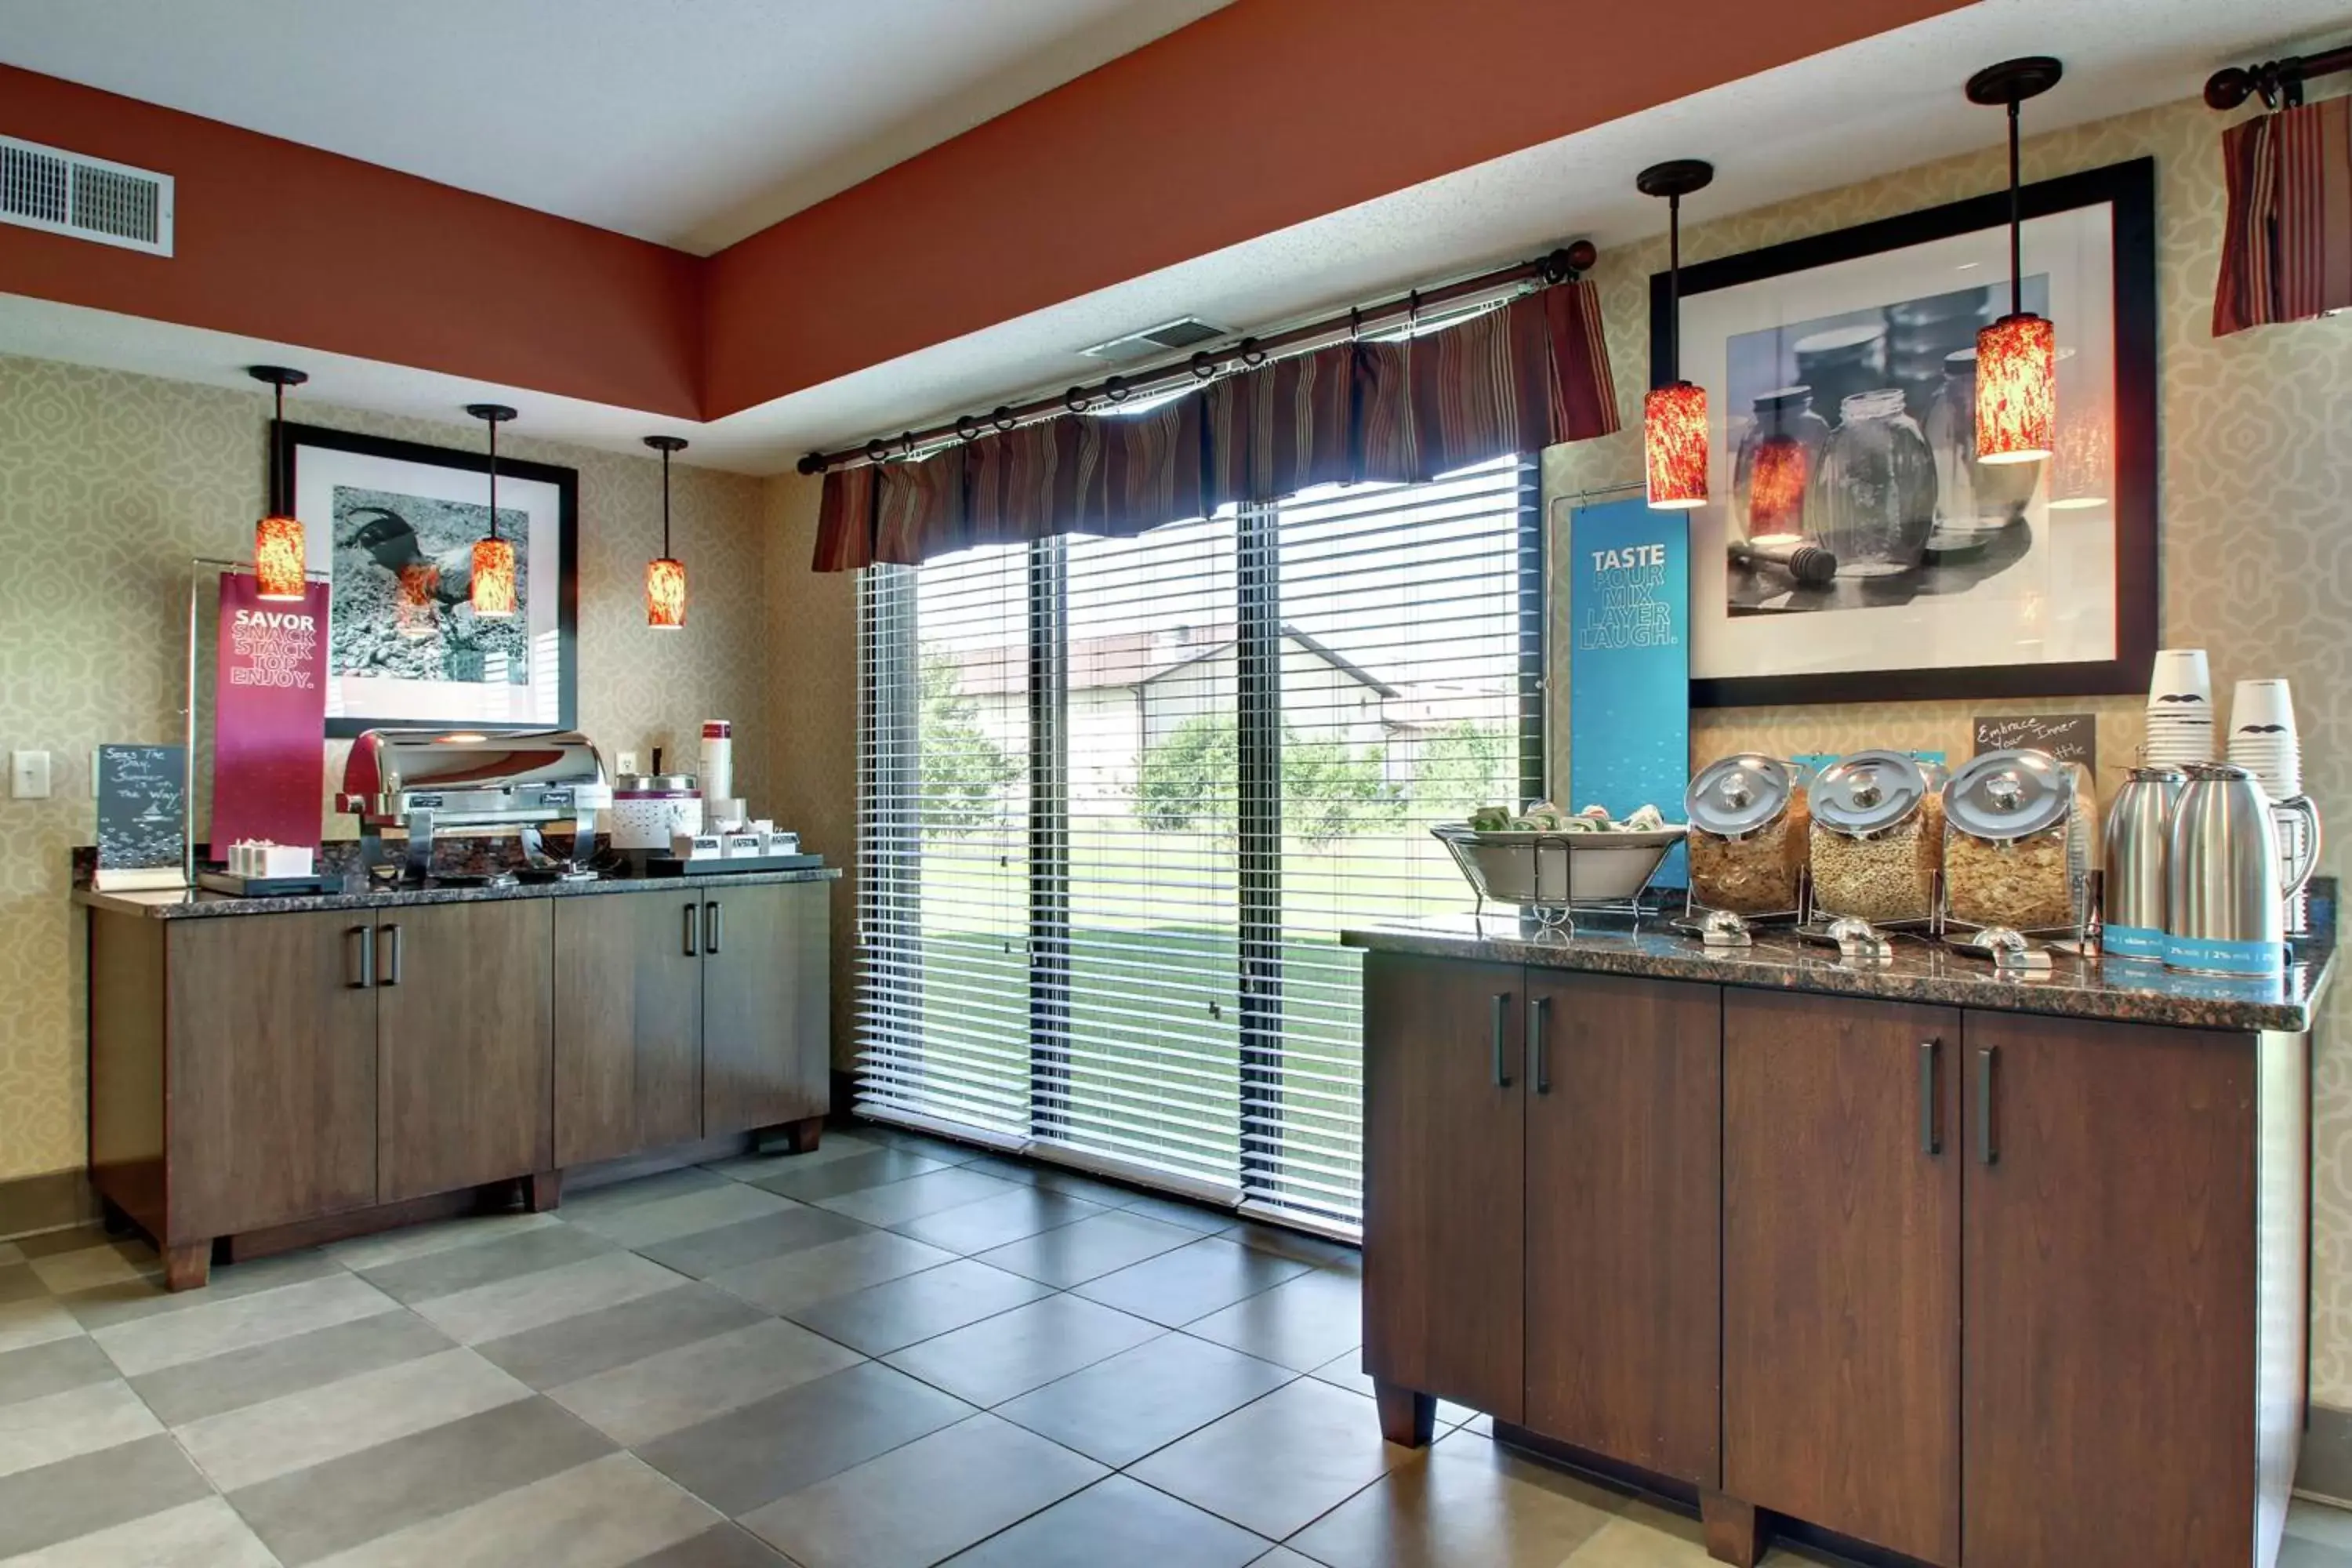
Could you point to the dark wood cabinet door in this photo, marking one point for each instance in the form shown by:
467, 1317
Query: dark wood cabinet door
464, 1012
1624, 1124
765, 1055
1444, 1178
1841, 1265
2110, 1261
628, 1024
271, 1072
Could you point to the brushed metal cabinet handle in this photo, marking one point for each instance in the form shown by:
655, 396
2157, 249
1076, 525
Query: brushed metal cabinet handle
714, 922
1540, 1041
393, 948
1502, 1011
1930, 1139
359, 947
1987, 1146
693, 931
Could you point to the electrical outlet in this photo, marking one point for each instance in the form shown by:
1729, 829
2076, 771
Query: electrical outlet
626, 763
28, 776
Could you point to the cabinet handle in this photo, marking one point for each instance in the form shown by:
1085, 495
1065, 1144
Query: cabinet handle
714, 925
693, 931
359, 946
1988, 1148
1538, 1041
392, 946
1502, 1010
1929, 1142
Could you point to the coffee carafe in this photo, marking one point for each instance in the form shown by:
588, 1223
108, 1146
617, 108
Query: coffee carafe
2139, 847
2222, 891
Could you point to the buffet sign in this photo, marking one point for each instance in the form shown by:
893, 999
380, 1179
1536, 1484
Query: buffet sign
1629, 662
268, 756
141, 817
2068, 737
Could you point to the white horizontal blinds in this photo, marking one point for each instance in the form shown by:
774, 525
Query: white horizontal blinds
1410, 647
944, 800
1137, 1054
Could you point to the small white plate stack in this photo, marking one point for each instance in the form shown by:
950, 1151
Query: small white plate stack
2180, 709
2263, 740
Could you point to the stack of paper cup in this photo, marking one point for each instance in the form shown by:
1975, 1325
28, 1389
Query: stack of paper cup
2180, 709
2263, 742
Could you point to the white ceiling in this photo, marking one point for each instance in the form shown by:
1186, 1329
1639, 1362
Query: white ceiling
688, 123
1871, 108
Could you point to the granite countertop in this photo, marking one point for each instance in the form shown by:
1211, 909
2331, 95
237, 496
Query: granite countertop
1919, 971
180, 903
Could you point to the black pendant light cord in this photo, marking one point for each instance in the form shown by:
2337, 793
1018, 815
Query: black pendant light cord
2016, 222
1674, 286
277, 454
494, 480
665, 503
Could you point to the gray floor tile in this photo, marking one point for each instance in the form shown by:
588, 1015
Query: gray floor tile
992, 1222
1051, 1178
598, 1341
1346, 1371
693, 1383
590, 1202
1470, 1500
1302, 1323
835, 1269
604, 1514
1076, 1253
2320, 1523
206, 1534
725, 1203
1191, 1282
759, 1166
1118, 1521
1276, 1465
898, 1201
853, 1173
41, 1370
197, 1389
459, 1268
214, 1326
385, 1247
1120, 1409
513, 1306
68, 1424
1191, 1216
1026, 1348
50, 1243
2302, 1551
751, 1456
734, 1245
127, 1301
19, 1283
314, 1512
1644, 1535
1284, 1557
972, 1479
36, 1321
1286, 1243
721, 1546
947, 1151
105, 1262
57, 1502
884, 1318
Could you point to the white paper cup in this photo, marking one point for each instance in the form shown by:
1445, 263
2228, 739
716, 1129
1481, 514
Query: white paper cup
2179, 671
2262, 707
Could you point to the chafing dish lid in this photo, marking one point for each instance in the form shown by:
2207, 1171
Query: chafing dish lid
2006, 795
1736, 796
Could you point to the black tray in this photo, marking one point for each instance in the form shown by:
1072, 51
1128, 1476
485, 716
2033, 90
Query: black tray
239, 887
712, 865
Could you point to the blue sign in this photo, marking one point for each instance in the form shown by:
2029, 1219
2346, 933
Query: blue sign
1628, 658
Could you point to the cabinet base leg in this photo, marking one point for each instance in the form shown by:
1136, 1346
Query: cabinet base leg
189, 1267
543, 1191
1407, 1419
1734, 1534
800, 1137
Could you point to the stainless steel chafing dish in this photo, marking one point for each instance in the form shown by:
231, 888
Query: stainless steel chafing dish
418, 782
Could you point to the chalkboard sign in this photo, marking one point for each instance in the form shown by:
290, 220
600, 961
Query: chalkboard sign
141, 817
2069, 737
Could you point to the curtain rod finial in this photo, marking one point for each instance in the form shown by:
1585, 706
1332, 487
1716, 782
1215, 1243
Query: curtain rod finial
812, 464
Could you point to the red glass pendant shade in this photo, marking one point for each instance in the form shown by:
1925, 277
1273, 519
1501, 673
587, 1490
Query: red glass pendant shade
493, 592
666, 594
2017, 389
279, 557
1776, 492
1673, 442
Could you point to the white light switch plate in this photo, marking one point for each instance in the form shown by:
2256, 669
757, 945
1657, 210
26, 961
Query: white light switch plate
28, 776
626, 763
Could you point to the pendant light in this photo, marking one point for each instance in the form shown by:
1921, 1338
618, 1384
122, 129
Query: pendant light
2017, 356
1673, 416
492, 591
280, 555
665, 577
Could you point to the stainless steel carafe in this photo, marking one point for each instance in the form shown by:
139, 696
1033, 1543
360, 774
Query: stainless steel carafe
2222, 888
2139, 845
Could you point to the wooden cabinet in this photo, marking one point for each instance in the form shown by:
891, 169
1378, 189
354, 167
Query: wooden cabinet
765, 1058
1624, 1119
1841, 1265
464, 1025
1444, 1181
628, 1024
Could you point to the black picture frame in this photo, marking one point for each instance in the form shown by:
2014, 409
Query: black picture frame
2130, 190
566, 483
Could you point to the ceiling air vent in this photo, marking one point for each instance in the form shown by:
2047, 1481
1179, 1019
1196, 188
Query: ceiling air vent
88, 198
1183, 333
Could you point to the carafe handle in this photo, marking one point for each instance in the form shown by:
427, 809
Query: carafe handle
2300, 806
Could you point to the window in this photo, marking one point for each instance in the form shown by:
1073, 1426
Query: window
1119, 797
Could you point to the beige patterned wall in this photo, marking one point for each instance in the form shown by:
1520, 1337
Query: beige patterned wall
109, 483
2256, 509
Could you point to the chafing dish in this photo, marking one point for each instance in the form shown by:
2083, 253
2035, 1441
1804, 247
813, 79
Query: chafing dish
421, 782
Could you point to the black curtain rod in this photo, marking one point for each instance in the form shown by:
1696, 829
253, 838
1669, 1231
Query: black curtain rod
2278, 82
1565, 265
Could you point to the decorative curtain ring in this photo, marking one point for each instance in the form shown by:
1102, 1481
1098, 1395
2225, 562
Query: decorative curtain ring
906, 444
1355, 322
1205, 365
877, 450
1002, 418
1412, 311
1252, 355
1116, 388
967, 427
1075, 400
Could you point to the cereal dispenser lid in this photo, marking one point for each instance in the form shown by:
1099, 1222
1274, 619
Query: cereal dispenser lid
1736, 796
2005, 795
1868, 793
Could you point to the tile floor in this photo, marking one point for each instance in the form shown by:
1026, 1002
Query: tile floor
891, 1352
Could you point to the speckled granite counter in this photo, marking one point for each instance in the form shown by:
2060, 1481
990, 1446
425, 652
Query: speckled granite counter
182, 904
1918, 971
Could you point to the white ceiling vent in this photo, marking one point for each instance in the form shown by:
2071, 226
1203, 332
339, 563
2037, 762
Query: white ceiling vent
1184, 332
88, 198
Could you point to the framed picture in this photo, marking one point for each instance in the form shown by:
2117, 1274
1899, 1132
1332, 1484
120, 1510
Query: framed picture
1854, 549
394, 525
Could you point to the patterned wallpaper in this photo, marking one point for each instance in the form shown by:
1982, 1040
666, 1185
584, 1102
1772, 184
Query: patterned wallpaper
2257, 553
109, 483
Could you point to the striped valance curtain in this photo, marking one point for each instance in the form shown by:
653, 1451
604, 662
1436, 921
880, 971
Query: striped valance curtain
1517, 379
2288, 253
